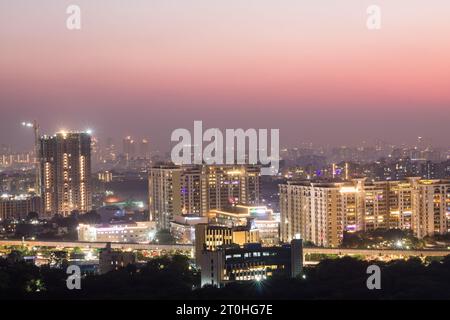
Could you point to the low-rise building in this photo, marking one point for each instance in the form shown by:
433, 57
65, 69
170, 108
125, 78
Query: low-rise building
211, 237
18, 206
252, 262
182, 227
260, 217
132, 232
110, 259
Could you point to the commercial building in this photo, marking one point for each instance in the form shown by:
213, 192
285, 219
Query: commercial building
251, 262
18, 206
177, 190
211, 237
131, 232
260, 217
322, 211
182, 227
65, 160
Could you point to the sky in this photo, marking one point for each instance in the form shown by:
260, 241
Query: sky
146, 67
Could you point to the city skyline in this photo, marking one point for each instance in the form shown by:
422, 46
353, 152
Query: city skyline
25, 144
247, 151
146, 69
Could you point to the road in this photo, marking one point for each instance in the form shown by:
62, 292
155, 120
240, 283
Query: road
97, 245
190, 248
377, 252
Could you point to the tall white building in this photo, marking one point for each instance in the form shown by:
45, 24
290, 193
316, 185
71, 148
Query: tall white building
164, 186
431, 202
320, 212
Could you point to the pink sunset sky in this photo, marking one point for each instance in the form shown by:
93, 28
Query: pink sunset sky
310, 68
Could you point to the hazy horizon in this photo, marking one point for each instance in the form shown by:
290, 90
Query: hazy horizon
145, 68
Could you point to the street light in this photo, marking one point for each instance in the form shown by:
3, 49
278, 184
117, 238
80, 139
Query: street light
27, 124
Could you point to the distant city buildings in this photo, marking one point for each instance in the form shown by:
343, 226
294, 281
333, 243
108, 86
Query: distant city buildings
11, 160
17, 182
144, 149
308, 154
383, 169
129, 147
109, 152
65, 160
330, 191
322, 211
105, 176
131, 155
133, 149
96, 154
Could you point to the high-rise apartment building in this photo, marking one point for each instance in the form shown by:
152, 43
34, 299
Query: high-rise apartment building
399, 204
65, 160
225, 185
321, 212
176, 190
164, 186
431, 201
388, 204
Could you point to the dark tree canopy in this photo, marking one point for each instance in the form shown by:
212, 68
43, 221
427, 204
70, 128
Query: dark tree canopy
172, 277
32, 216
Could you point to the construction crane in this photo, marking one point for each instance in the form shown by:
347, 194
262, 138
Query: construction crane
37, 183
